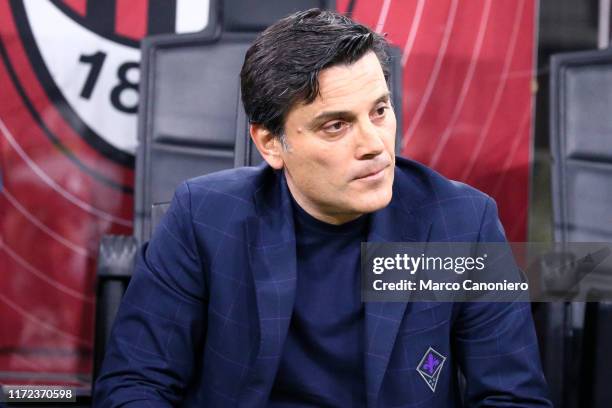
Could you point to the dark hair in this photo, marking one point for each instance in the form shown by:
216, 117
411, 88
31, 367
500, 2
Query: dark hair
282, 66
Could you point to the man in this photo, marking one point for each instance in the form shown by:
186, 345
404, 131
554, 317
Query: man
248, 292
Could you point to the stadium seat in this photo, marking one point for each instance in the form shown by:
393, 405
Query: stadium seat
189, 119
576, 337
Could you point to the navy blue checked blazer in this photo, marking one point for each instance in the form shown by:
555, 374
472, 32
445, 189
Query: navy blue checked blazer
205, 316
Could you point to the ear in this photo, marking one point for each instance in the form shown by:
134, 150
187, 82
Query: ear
268, 145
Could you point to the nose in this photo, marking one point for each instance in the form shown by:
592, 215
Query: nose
369, 141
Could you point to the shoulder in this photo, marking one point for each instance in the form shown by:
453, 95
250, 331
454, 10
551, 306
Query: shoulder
456, 207
223, 190
426, 186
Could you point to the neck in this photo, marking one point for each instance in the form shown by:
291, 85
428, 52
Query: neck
328, 216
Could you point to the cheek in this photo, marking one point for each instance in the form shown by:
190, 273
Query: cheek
330, 174
390, 130
320, 165
329, 163
311, 172
391, 134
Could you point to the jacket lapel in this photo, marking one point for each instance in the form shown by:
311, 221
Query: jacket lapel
382, 319
272, 261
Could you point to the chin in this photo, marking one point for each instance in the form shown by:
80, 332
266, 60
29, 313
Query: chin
375, 201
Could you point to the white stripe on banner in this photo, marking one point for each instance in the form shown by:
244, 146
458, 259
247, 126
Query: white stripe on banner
191, 15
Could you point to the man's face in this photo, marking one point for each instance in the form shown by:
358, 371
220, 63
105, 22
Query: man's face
340, 158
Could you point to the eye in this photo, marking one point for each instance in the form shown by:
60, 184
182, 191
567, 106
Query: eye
335, 127
380, 111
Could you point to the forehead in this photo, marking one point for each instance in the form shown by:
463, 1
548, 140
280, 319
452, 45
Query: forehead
356, 80
348, 87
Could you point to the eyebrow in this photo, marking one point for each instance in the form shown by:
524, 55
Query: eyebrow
348, 116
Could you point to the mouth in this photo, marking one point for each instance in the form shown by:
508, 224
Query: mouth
374, 175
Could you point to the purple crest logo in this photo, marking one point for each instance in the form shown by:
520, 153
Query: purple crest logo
430, 367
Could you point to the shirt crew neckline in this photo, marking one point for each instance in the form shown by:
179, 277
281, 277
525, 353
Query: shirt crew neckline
303, 219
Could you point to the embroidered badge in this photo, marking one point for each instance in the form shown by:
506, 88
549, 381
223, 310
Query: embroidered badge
430, 367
